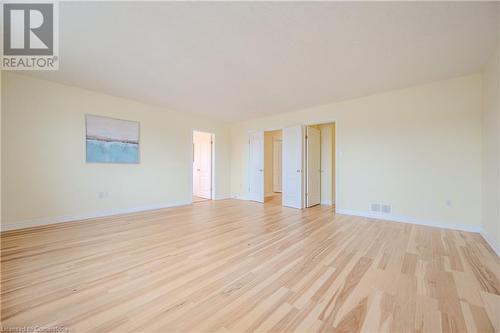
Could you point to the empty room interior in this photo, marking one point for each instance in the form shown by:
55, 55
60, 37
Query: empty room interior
250, 167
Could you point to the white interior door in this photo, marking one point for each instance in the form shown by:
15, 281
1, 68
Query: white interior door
313, 167
277, 158
256, 166
293, 165
196, 166
202, 164
327, 164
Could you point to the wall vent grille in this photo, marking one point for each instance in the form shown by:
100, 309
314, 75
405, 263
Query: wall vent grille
387, 209
375, 207
380, 208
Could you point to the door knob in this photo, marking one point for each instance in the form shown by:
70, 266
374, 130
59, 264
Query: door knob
198, 170
298, 170
261, 170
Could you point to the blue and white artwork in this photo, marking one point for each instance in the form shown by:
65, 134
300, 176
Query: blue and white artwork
111, 140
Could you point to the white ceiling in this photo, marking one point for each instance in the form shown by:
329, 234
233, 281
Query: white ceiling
241, 60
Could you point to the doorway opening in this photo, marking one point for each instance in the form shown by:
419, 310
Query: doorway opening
265, 166
294, 167
320, 165
273, 170
203, 144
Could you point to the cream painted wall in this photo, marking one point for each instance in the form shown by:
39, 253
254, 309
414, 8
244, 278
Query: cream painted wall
44, 174
414, 148
491, 150
268, 163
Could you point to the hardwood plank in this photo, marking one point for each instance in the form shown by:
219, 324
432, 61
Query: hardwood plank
236, 266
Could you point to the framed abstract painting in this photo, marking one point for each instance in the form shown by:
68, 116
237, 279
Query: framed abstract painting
110, 140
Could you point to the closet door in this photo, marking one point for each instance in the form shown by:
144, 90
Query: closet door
256, 166
313, 167
293, 152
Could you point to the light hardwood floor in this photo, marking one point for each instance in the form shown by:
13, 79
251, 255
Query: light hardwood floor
199, 199
236, 266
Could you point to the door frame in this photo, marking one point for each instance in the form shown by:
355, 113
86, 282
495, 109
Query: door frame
212, 162
338, 153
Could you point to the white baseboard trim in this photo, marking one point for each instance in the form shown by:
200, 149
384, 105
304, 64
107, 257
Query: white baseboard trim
412, 220
79, 217
491, 242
